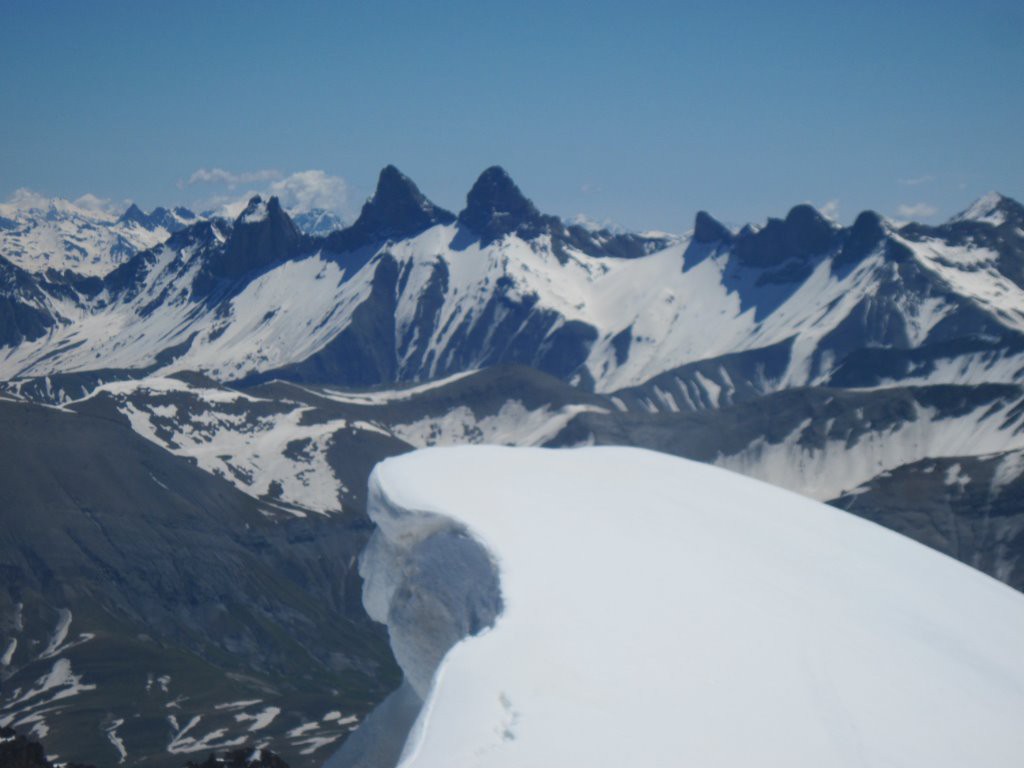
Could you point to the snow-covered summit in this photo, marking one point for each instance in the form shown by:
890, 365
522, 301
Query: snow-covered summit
38, 233
991, 208
317, 221
410, 292
255, 211
173, 219
658, 612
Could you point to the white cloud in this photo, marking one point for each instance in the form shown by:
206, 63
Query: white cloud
306, 190
593, 225
229, 179
228, 206
830, 210
299, 192
916, 210
93, 204
916, 181
27, 199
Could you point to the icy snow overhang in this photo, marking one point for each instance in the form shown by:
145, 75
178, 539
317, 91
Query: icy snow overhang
652, 611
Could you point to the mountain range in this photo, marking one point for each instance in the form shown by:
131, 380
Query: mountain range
193, 405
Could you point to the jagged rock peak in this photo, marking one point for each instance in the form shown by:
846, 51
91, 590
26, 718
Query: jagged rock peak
263, 235
496, 207
807, 231
266, 214
495, 196
803, 234
134, 213
868, 224
173, 220
392, 184
398, 208
807, 217
867, 233
707, 229
258, 210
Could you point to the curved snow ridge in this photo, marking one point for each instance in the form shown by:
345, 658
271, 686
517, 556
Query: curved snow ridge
429, 580
657, 611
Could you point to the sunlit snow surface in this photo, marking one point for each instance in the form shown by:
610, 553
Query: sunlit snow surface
43, 234
660, 612
666, 302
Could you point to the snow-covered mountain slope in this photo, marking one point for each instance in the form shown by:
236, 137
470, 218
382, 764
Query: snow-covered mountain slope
286, 364
825, 442
148, 606
411, 293
309, 449
837, 445
991, 208
742, 625
39, 234
318, 222
971, 507
284, 451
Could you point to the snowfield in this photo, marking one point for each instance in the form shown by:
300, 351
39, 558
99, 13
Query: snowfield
41, 234
654, 611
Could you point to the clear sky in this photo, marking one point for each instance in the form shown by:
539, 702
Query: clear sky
636, 112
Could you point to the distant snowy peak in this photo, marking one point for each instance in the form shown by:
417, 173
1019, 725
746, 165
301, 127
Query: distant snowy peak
253, 213
317, 222
134, 214
172, 220
993, 208
39, 235
410, 293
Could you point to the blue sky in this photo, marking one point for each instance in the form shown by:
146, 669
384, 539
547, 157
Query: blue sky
639, 113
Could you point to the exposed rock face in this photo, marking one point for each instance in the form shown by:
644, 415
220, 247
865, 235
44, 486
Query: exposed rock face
968, 507
120, 550
23, 312
706, 229
241, 758
754, 349
495, 207
173, 220
802, 234
397, 210
263, 235
862, 238
19, 751
135, 214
